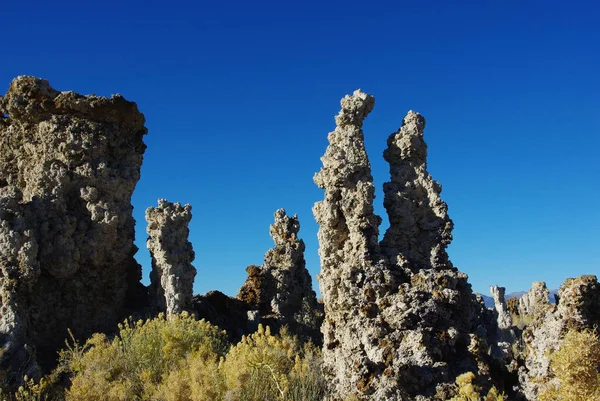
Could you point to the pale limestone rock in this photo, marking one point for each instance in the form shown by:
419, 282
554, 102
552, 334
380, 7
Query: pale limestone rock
578, 308
69, 164
504, 319
535, 302
281, 289
420, 228
172, 276
398, 316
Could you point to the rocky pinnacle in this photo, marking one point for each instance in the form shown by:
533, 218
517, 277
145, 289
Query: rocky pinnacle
172, 276
281, 289
399, 317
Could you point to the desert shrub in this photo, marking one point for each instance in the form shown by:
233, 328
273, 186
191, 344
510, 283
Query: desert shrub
29, 391
133, 364
467, 390
575, 365
261, 367
181, 359
264, 367
198, 379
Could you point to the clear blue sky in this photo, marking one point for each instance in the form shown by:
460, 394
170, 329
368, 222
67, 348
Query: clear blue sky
239, 98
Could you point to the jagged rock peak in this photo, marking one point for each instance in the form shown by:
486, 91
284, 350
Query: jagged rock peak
504, 319
172, 276
285, 228
69, 164
400, 323
420, 228
407, 144
348, 249
535, 302
346, 173
281, 289
355, 109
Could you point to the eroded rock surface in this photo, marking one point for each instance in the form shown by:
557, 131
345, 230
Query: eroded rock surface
172, 276
536, 302
400, 321
68, 166
503, 316
281, 289
578, 308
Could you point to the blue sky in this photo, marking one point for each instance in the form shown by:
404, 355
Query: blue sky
239, 98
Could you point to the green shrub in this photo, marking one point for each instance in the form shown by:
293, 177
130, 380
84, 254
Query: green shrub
133, 364
263, 367
575, 365
467, 390
181, 359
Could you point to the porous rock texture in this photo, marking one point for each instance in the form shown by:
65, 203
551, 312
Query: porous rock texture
504, 333
535, 302
578, 308
68, 166
172, 275
503, 317
400, 321
281, 289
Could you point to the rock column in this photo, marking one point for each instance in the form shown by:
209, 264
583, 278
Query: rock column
172, 276
399, 319
75, 161
281, 289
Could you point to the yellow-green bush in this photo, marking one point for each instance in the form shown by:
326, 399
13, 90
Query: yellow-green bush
29, 391
467, 390
181, 359
261, 367
264, 367
575, 365
133, 364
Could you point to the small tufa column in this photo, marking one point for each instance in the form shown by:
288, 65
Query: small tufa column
282, 287
504, 319
172, 276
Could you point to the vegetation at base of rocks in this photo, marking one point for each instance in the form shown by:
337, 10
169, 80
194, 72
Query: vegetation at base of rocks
575, 366
467, 390
260, 367
521, 322
182, 359
134, 363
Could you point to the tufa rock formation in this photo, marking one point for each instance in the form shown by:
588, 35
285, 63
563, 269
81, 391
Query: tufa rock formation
503, 316
503, 334
400, 319
68, 166
281, 289
172, 276
535, 302
578, 308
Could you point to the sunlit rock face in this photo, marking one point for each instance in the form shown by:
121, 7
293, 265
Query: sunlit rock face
503, 319
172, 276
401, 322
578, 308
535, 302
68, 167
281, 289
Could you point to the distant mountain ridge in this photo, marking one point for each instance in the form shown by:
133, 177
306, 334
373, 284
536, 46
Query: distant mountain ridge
489, 301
